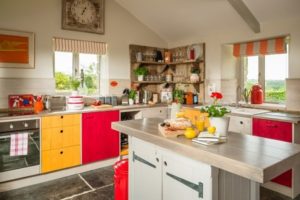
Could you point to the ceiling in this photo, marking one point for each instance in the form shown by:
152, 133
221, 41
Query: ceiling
174, 20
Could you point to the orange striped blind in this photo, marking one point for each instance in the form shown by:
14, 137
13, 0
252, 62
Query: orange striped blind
79, 46
261, 47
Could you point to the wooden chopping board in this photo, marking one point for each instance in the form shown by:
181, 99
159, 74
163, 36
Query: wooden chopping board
166, 132
102, 106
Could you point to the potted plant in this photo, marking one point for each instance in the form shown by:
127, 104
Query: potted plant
195, 71
75, 83
141, 71
178, 98
216, 114
131, 96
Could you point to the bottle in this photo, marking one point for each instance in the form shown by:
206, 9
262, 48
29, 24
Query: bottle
195, 98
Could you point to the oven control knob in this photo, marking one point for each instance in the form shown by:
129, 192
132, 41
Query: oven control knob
25, 125
11, 126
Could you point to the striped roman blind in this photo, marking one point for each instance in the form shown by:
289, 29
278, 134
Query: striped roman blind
261, 47
79, 46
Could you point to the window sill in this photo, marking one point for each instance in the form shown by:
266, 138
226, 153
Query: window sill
267, 106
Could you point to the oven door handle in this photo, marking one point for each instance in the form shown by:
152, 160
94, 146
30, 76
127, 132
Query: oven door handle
8, 136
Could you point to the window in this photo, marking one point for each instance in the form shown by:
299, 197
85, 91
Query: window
77, 63
80, 66
270, 71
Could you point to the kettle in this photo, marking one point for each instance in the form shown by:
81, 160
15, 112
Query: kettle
257, 94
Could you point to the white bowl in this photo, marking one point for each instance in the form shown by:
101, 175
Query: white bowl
75, 99
75, 105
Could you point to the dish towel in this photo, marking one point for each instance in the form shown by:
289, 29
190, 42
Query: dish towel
19, 144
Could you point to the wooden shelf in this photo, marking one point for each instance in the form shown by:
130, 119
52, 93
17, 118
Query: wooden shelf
170, 63
160, 82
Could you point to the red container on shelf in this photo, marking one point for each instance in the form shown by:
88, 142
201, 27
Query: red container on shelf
121, 179
257, 94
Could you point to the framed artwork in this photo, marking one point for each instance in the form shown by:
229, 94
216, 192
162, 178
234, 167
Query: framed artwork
83, 15
16, 49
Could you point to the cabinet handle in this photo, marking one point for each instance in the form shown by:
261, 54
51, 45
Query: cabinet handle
198, 188
61, 131
165, 163
61, 117
61, 152
157, 160
140, 159
241, 122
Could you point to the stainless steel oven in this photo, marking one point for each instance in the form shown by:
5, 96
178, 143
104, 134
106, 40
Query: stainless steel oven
27, 164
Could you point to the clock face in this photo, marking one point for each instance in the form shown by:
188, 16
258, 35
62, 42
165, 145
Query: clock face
83, 15
83, 11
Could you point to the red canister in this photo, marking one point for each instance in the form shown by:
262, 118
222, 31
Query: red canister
257, 94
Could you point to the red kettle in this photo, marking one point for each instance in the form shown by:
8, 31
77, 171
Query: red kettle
257, 95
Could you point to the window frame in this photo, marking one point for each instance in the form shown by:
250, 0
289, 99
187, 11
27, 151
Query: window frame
76, 71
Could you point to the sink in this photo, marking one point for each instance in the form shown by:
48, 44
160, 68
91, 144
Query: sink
247, 111
278, 114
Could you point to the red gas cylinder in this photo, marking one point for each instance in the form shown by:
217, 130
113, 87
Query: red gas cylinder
121, 179
257, 94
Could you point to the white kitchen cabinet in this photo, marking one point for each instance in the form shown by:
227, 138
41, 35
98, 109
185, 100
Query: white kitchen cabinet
144, 171
156, 173
239, 124
158, 112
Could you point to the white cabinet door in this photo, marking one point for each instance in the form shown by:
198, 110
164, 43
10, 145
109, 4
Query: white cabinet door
187, 179
239, 124
158, 112
144, 171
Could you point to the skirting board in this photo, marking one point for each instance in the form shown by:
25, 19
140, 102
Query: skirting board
54, 175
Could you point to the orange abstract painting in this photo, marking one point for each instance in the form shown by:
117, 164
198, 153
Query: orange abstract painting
14, 49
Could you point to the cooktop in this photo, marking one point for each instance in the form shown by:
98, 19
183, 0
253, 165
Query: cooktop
15, 113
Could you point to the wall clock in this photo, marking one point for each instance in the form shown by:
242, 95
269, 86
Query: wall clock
83, 15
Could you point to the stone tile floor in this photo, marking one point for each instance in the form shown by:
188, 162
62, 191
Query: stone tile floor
92, 185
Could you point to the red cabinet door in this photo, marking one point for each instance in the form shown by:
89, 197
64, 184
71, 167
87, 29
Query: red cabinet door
279, 131
99, 141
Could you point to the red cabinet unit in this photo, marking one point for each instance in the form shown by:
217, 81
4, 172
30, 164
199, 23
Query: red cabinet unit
99, 141
279, 131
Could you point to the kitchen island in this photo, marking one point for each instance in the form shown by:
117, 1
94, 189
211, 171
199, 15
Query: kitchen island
177, 168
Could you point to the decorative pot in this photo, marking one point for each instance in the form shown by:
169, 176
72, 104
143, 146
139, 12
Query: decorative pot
175, 108
140, 77
131, 102
194, 78
221, 124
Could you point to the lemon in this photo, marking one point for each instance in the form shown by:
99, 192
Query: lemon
211, 129
180, 115
190, 133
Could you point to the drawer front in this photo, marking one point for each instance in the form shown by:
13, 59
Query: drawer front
54, 138
240, 125
60, 121
57, 159
273, 129
155, 112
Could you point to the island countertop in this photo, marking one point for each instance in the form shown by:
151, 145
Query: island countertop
255, 158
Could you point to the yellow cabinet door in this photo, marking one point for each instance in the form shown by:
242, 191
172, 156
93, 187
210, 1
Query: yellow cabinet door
51, 160
70, 120
71, 136
52, 138
60, 121
71, 156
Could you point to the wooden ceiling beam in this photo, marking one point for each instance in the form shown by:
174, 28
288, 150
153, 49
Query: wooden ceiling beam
246, 14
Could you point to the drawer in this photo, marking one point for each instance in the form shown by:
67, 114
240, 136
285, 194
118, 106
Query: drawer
240, 125
60, 121
155, 112
54, 138
57, 159
273, 129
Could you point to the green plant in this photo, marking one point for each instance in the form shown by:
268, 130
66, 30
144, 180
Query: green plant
215, 110
75, 83
178, 96
195, 70
132, 94
141, 70
246, 94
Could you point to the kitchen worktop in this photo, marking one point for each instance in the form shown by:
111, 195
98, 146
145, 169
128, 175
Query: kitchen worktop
254, 158
122, 108
278, 116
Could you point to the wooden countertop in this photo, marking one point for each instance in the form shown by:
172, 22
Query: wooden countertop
254, 158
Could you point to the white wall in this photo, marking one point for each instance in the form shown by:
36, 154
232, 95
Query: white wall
215, 41
43, 17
